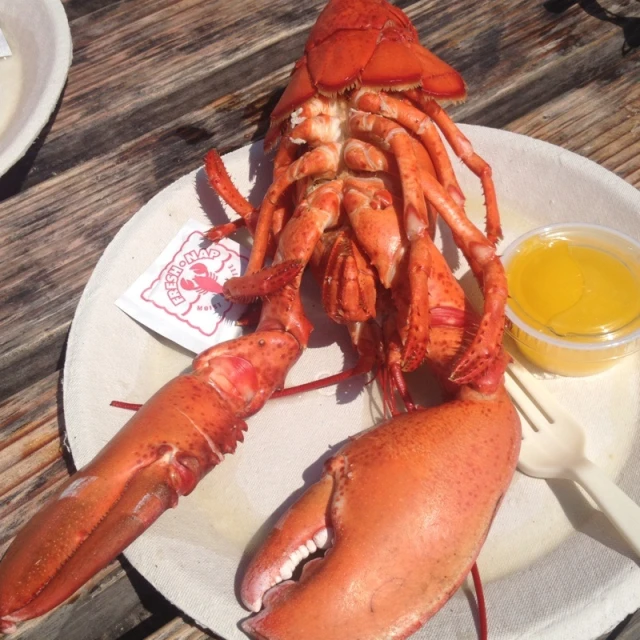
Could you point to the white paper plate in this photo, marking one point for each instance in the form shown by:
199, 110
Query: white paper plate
32, 79
553, 567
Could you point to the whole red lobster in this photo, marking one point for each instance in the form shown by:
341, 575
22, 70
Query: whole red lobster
360, 175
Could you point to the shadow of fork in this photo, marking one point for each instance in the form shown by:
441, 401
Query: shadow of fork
587, 519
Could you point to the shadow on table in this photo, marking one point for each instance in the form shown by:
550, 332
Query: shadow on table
630, 25
161, 610
11, 182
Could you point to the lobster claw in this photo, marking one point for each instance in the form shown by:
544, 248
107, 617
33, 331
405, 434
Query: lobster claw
410, 504
109, 503
178, 435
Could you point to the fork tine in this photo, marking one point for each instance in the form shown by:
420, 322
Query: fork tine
528, 408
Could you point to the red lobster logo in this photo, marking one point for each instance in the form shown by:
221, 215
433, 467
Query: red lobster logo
202, 280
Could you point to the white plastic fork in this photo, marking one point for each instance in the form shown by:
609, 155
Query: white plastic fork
553, 447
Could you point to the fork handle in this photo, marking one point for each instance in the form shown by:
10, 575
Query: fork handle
621, 510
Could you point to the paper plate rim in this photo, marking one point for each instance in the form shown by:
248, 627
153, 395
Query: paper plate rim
59, 64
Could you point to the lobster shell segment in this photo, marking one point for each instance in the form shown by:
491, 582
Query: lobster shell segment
410, 504
366, 43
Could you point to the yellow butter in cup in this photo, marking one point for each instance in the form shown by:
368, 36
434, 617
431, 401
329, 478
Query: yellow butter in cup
574, 297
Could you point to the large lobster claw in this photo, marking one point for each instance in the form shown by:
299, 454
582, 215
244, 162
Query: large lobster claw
409, 503
179, 435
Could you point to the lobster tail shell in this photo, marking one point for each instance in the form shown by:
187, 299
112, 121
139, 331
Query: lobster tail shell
363, 43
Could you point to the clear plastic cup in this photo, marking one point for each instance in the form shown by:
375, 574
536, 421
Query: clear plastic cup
575, 354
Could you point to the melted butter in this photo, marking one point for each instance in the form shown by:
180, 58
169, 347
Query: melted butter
572, 290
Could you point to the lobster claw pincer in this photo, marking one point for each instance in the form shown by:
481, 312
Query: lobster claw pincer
109, 503
410, 504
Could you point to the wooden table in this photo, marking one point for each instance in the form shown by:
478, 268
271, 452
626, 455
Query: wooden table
155, 84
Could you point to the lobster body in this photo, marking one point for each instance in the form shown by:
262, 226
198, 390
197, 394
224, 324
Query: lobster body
360, 175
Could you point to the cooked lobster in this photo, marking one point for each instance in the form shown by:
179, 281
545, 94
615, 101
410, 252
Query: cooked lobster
360, 175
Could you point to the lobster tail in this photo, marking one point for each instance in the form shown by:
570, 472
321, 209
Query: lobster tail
365, 43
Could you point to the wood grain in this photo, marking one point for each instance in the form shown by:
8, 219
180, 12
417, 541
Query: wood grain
155, 84
178, 629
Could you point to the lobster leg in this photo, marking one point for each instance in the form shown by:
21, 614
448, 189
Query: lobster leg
473, 244
373, 216
222, 184
363, 156
416, 226
424, 129
463, 149
246, 289
295, 247
286, 154
317, 162
420, 124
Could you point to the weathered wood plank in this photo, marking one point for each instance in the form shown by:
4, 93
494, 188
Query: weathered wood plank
106, 608
35, 407
179, 629
31, 464
179, 49
78, 8
179, 68
602, 125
